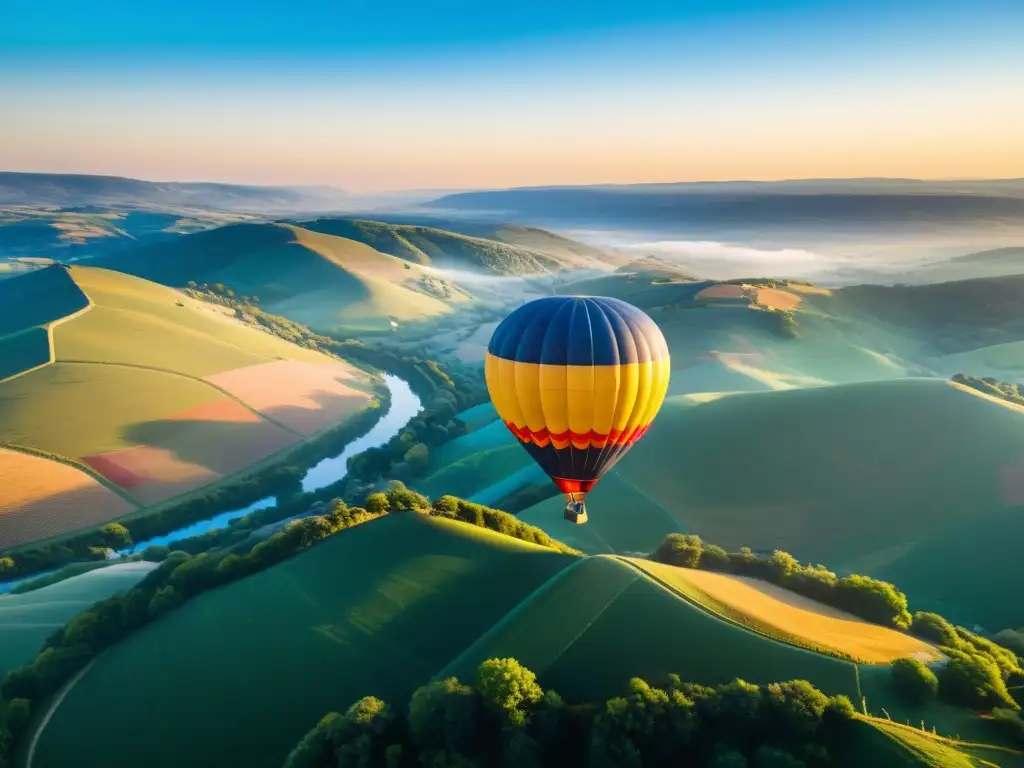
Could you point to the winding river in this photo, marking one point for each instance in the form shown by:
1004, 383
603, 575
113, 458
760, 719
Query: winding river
404, 405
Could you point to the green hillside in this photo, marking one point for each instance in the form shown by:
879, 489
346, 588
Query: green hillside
378, 609
329, 283
27, 620
601, 622
853, 476
502, 251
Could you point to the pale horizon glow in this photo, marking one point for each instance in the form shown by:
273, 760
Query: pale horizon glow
796, 93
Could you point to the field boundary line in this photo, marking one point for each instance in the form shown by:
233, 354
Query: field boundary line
57, 701
842, 659
675, 521
938, 737
509, 616
59, 458
191, 378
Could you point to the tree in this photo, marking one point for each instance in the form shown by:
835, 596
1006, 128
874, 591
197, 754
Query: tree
418, 459
679, 549
443, 715
973, 680
115, 536
931, 626
166, 599
6, 565
770, 757
377, 503
795, 708
914, 682
714, 558
728, 758
508, 688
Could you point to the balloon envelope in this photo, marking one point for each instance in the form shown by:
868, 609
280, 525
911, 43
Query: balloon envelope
578, 379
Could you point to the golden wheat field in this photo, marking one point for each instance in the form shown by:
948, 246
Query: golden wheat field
40, 498
722, 292
780, 613
776, 299
304, 397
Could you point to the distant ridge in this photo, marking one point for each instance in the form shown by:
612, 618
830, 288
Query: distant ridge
86, 190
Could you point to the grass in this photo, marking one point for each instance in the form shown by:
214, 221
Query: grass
329, 283
38, 298
26, 620
77, 409
922, 748
622, 518
478, 416
787, 617
237, 675
23, 350
823, 472
601, 622
143, 323
476, 472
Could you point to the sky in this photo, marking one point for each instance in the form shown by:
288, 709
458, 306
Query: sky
375, 95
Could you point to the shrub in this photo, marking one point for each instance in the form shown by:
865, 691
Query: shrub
974, 681
679, 549
931, 626
914, 682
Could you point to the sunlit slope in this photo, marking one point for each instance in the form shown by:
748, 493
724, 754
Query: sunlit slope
503, 250
886, 744
601, 622
733, 338
327, 282
376, 610
27, 620
784, 615
855, 476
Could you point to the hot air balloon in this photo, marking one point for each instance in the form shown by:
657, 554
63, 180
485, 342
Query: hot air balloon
578, 380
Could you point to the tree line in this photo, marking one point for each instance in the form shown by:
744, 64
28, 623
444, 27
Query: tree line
281, 480
976, 674
991, 386
504, 718
181, 576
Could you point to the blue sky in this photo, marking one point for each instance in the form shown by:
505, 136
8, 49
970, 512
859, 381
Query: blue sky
372, 95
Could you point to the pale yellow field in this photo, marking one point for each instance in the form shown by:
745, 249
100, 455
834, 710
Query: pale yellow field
306, 398
40, 498
773, 297
722, 292
811, 290
779, 612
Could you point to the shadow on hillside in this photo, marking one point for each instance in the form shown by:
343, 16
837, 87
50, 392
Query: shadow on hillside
227, 447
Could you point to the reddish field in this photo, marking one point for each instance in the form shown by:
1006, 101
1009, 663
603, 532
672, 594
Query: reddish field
304, 397
40, 498
222, 409
722, 292
151, 474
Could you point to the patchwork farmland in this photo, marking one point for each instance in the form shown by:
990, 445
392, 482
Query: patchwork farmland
156, 392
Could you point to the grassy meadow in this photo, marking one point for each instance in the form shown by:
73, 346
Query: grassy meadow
375, 610
26, 620
602, 622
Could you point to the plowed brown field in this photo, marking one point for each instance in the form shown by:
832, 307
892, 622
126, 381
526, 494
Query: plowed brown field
40, 498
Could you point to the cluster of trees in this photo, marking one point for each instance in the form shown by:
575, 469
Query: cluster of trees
181, 576
977, 673
990, 386
407, 454
871, 599
282, 480
505, 718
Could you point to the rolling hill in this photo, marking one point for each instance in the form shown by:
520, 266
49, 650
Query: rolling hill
853, 476
64, 189
26, 620
329, 283
382, 608
379, 610
504, 249
135, 394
